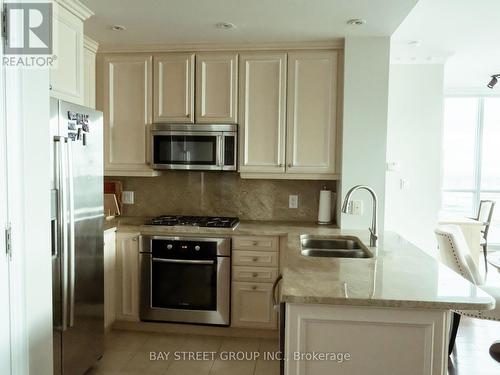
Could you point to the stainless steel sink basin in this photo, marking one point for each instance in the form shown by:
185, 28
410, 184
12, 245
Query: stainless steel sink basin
333, 247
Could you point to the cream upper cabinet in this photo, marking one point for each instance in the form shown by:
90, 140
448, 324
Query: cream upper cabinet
89, 56
125, 83
262, 112
66, 76
216, 88
311, 112
174, 88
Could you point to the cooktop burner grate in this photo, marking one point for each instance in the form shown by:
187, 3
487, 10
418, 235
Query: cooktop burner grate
196, 221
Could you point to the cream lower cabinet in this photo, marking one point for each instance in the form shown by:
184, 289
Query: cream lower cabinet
254, 270
217, 88
288, 115
174, 88
109, 278
252, 305
127, 276
365, 340
125, 97
66, 76
262, 112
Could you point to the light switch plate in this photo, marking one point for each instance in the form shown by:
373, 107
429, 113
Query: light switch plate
128, 197
293, 201
356, 207
392, 166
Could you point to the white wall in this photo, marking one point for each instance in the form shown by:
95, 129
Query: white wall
365, 123
414, 141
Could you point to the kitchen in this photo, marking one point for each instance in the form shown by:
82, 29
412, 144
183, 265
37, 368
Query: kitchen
236, 217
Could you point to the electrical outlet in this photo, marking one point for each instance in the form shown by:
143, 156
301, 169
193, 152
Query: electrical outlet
356, 207
127, 197
293, 201
404, 184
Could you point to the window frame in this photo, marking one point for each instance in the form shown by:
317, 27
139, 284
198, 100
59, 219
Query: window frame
476, 191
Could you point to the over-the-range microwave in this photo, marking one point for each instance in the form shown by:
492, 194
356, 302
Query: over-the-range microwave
194, 146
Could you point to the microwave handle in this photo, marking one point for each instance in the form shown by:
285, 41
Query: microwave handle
220, 154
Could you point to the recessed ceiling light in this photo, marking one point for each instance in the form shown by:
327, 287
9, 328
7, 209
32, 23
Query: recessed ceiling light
356, 21
225, 25
118, 28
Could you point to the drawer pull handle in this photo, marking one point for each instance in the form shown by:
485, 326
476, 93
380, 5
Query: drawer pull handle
254, 287
255, 274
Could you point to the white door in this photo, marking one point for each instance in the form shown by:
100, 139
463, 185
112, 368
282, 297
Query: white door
262, 112
216, 88
174, 88
312, 112
5, 341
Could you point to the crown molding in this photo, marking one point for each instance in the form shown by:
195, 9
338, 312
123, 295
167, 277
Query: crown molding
77, 8
194, 47
90, 44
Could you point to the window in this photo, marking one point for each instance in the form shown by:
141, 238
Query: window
471, 157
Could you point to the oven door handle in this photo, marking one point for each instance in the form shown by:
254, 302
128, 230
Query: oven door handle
183, 261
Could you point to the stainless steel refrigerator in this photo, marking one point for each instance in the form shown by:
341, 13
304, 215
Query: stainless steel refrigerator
77, 236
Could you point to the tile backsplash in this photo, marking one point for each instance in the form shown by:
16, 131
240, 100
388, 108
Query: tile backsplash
223, 194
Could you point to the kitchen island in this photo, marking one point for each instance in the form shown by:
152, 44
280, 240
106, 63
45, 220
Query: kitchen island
387, 314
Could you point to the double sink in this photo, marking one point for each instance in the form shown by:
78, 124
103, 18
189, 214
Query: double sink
333, 247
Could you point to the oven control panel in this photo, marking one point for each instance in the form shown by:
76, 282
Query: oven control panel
183, 249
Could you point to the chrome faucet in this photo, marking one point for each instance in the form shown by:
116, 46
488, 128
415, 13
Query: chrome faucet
373, 230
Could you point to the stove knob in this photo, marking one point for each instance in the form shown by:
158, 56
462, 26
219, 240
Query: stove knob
197, 248
169, 247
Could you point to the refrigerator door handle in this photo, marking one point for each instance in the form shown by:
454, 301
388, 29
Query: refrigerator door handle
71, 229
62, 225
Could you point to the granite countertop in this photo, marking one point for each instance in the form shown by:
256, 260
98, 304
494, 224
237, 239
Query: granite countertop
399, 275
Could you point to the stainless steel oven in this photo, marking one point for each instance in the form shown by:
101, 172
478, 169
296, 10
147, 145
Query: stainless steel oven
185, 279
194, 147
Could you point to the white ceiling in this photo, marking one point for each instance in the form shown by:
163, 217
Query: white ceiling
465, 33
257, 21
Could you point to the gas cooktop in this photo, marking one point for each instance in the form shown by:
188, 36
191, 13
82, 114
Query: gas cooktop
196, 221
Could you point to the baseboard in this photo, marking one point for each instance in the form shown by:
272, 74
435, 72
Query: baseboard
193, 329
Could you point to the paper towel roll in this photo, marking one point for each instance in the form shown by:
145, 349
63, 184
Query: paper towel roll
325, 207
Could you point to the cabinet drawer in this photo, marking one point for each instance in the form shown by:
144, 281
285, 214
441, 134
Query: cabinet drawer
256, 243
255, 258
255, 274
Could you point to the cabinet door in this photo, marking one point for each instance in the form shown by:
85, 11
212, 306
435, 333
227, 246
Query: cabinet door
89, 78
126, 104
109, 278
66, 76
312, 114
127, 276
216, 88
174, 88
262, 112
252, 305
